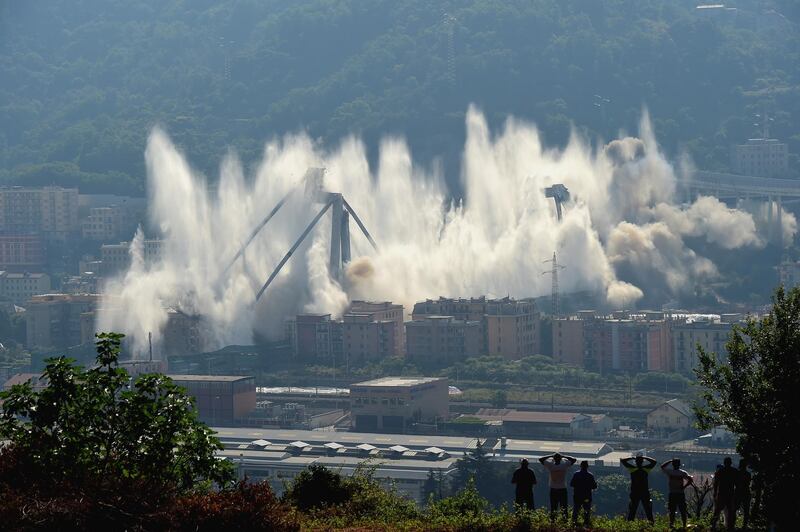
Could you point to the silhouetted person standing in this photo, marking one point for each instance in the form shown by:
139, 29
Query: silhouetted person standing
582, 485
742, 492
524, 479
640, 485
679, 480
725, 494
558, 466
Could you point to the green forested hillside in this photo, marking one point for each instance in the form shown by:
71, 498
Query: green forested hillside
82, 81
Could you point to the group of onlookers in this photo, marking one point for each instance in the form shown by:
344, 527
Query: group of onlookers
731, 488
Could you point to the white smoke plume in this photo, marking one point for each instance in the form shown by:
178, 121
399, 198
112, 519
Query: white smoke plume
621, 236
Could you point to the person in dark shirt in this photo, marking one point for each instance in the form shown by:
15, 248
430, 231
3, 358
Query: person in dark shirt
725, 494
640, 486
582, 485
742, 492
524, 479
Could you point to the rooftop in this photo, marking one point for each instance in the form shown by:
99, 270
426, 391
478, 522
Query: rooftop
26, 275
681, 407
208, 378
22, 378
399, 381
522, 416
454, 446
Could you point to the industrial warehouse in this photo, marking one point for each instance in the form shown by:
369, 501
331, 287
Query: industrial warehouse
402, 461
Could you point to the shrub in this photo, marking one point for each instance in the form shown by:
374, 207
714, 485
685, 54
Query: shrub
247, 506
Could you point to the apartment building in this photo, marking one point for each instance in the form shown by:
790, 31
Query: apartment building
106, 224
472, 309
383, 311
568, 340
621, 342
315, 337
56, 320
20, 287
368, 331
367, 339
760, 157
52, 210
183, 334
21, 252
512, 328
115, 258
443, 339
710, 334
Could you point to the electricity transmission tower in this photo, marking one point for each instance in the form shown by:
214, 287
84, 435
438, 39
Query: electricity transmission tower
554, 303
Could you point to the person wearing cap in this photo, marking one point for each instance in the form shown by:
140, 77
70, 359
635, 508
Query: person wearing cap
558, 465
640, 486
582, 485
524, 479
679, 480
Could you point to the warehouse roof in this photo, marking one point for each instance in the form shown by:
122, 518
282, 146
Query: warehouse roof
208, 378
398, 381
524, 416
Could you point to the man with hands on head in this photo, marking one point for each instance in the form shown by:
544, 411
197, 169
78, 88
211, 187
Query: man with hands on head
640, 485
558, 465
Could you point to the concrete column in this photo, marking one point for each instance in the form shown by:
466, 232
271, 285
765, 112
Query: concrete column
345, 237
337, 212
769, 219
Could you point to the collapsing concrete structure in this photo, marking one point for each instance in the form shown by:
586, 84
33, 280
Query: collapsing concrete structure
560, 194
340, 227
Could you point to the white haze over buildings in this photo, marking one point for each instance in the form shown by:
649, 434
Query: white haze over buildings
623, 233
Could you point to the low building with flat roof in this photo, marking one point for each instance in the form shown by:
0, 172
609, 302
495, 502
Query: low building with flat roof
545, 424
220, 399
391, 403
404, 460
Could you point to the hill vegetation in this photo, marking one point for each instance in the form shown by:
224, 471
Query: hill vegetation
82, 82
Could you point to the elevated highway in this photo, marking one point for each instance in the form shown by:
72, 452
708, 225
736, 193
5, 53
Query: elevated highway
733, 189
732, 186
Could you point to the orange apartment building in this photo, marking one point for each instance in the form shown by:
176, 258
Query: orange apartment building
509, 327
512, 328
